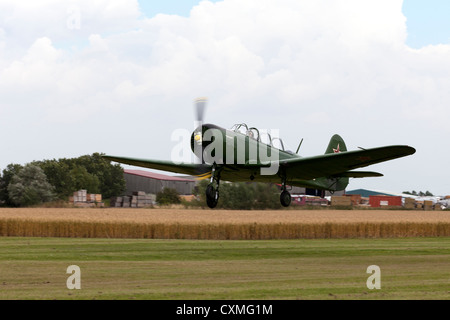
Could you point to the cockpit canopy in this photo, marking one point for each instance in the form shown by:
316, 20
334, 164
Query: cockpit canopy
254, 133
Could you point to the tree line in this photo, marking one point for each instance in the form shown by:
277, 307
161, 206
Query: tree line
241, 196
50, 180
235, 195
420, 193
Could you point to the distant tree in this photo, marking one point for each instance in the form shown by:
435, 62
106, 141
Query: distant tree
111, 180
420, 193
30, 187
82, 179
266, 196
60, 176
199, 191
168, 196
90, 172
8, 173
242, 196
237, 196
425, 194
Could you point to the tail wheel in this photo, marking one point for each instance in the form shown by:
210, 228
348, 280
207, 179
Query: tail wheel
285, 198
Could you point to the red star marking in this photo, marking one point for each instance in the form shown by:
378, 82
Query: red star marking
337, 150
364, 159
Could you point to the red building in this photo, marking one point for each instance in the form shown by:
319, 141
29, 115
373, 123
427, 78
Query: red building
385, 201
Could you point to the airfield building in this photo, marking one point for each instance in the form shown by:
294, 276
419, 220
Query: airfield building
152, 183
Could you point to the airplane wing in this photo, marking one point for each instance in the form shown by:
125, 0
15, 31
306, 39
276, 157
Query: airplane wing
230, 172
357, 174
183, 168
332, 165
341, 164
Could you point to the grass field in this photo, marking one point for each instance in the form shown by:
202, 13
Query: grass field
411, 268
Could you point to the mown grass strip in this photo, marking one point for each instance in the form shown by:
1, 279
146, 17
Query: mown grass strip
411, 268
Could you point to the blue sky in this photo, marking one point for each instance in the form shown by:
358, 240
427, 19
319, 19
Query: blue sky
428, 21
178, 7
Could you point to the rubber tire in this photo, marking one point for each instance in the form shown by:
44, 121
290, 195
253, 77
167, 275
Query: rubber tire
212, 197
210, 192
285, 198
211, 203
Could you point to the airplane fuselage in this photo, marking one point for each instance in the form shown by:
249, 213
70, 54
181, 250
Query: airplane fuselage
258, 160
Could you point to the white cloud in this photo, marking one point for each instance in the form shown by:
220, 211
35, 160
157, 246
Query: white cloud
62, 21
287, 64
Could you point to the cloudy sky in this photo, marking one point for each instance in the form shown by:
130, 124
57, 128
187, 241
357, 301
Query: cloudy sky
119, 77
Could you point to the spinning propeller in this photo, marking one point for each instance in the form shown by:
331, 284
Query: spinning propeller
197, 136
200, 107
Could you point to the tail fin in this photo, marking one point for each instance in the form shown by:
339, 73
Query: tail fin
336, 145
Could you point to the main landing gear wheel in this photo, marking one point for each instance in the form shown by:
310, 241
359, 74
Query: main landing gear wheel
212, 190
212, 196
285, 198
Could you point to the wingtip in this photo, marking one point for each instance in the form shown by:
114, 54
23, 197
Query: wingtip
411, 150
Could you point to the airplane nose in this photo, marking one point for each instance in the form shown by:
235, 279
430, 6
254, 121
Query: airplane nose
196, 140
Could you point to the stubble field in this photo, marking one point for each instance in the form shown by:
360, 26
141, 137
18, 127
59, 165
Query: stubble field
222, 224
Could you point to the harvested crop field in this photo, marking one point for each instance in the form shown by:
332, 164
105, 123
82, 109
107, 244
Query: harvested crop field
222, 224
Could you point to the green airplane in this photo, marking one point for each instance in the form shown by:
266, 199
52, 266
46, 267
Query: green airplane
239, 154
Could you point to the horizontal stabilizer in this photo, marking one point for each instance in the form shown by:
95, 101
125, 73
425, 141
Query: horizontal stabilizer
358, 174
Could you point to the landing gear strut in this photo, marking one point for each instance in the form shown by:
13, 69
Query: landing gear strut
212, 190
285, 197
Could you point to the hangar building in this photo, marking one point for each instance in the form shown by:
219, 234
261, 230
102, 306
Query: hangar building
368, 192
152, 183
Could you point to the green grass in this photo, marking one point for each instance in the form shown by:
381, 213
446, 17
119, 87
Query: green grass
412, 268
